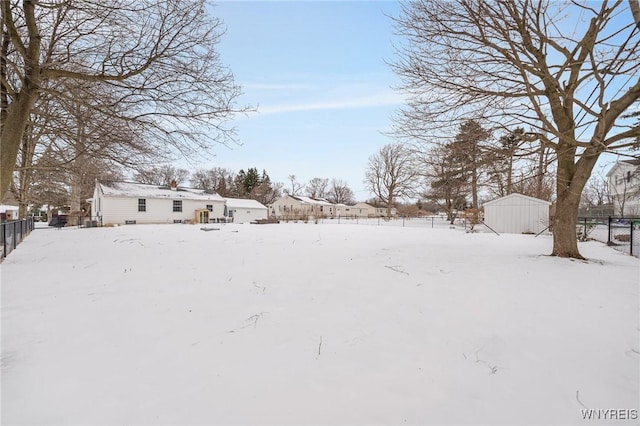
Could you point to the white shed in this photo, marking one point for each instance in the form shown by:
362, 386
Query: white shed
134, 203
243, 211
517, 214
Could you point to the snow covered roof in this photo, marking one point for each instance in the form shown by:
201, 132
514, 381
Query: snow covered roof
309, 200
5, 208
506, 199
141, 190
241, 203
624, 165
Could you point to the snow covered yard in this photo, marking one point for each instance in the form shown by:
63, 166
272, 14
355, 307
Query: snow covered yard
314, 324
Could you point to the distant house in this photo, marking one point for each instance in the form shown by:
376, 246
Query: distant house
8, 212
624, 187
245, 211
134, 203
517, 214
9, 208
368, 210
301, 207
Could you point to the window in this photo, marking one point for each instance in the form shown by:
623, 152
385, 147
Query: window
210, 207
177, 206
142, 205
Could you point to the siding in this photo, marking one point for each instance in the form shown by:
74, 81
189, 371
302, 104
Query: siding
517, 214
246, 215
288, 207
118, 210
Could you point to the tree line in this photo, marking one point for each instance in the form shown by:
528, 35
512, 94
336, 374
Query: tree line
89, 88
456, 173
250, 184
571, 84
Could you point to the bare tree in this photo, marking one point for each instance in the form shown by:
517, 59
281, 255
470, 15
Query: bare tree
391, 174
340, 193
596, 194
295, 186
157, 58
213, 180
635, 11
267, 192
317, 187
514, 63
162, 175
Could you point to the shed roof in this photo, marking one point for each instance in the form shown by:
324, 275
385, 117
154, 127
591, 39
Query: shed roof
506, 199
136, 190
243, 203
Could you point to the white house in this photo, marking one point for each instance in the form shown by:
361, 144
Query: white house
517, 214
8, 212
134, 203
624, 187
367, 210
301, 207
244, 211
362, 210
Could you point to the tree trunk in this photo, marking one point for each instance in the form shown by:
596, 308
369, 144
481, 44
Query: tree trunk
571, 179
474, 188
11, 136
565, 240
510, 175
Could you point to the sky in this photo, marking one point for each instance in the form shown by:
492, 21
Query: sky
316, 73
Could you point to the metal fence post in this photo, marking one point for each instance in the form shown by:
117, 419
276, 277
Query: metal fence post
631, 237
609, 232
15, 244
4, 240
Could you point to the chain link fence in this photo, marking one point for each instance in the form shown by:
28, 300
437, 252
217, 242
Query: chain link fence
621, 233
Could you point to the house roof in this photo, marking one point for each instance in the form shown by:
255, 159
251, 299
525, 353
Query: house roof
241, 203
363, 205
516, 195
309, 200
626, 164
138, 190
6, 207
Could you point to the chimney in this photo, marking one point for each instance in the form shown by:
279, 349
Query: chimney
174, 185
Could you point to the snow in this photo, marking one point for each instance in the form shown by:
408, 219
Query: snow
242, 203
300, 323
309, 200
